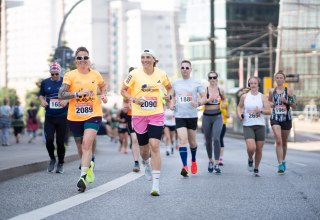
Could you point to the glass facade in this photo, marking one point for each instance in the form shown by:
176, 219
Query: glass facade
298, 47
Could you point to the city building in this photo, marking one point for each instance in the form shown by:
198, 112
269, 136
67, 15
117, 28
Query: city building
298, 50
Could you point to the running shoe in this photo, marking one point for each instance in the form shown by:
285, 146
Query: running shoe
256, 172
147, 172
280, 169
155, 192
220, 161
184, 171
284, 165
59, 168
51, 165
90, 174
136, 167
172, 150
217, 170
167, 152
250, 165
82, 185
210, 167
194, 167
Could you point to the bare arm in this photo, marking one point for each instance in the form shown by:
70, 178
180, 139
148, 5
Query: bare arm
240, 107
292, 99
64, 94
43, 101
266, 106
103, 89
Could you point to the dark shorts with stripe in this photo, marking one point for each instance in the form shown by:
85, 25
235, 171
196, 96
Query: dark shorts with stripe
77, 127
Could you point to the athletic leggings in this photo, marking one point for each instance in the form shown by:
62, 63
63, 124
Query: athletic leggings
55, 126
212, 126
223, 132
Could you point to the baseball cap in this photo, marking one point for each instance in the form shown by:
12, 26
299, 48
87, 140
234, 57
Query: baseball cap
150, 52
55, 67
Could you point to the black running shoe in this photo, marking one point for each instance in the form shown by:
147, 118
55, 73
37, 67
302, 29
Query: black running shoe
82, 185
256, 172
184, 172
250, 165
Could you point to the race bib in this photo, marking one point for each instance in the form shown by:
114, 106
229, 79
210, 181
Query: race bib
149, 104
280, 109
253, 114
122, 125
185, 98
55, 104
84, 109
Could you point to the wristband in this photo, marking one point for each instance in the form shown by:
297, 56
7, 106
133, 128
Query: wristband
134, 101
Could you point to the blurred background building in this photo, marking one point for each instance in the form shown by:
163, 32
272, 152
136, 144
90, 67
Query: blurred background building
249, 37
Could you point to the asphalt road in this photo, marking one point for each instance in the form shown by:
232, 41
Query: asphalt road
117, 193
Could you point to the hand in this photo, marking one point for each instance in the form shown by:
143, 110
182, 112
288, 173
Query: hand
257, 111
63, 103
44, 104
194, 104
141, 100
172, 106
166, 97
104, 99
83, 92
283, 99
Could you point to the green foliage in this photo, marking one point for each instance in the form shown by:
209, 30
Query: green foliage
32, 95
8, 93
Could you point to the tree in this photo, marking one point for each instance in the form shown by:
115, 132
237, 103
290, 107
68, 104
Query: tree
8, 93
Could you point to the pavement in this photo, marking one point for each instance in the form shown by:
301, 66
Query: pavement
23, 158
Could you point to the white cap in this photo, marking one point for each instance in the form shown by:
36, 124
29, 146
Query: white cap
150, 52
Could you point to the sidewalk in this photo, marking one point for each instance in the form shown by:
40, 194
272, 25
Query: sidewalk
24, 158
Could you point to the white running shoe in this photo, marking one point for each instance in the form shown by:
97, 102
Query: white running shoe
148, 172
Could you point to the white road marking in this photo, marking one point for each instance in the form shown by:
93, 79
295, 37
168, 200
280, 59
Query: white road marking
301, 164
79, 199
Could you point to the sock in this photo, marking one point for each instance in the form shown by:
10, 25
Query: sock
184, 155
155, 178
193, 153
136, 162
84, 171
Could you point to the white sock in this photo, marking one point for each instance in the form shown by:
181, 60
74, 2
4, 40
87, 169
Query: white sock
84, 171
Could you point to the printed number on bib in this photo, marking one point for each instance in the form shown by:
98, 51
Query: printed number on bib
252, 114
55, 104
149, 104
84, 109
185, 98
280, 109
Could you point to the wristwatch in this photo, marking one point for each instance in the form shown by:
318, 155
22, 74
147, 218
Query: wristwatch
134, 100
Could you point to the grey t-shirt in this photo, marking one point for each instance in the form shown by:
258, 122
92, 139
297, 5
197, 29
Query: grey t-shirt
186, 90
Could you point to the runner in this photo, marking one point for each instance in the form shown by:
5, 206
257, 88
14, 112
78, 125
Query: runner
185, 93
212, 121
134, 141
123, 129
84, 112
225, 115
282, 99
251, 110
169, 128
55, 124
147, 112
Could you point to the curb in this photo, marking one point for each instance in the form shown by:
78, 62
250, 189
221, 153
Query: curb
13, 172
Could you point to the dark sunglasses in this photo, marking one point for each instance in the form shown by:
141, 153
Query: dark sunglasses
54, 74
212, 77
83, 58
187, 68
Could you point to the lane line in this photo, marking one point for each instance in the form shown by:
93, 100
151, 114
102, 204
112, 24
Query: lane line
70, 202
301, 164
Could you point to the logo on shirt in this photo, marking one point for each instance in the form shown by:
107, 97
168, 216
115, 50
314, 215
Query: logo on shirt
159, 81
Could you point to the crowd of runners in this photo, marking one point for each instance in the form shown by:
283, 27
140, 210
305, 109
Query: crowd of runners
155, 109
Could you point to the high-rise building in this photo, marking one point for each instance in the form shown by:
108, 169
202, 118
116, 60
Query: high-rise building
240, 28
298, 52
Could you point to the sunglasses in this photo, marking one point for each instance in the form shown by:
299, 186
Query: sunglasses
83, 58
212, 77
54, 74
187, 68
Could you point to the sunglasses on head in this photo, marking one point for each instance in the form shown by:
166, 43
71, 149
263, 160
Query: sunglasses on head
82, 58
212, 77
187, 68
54, 74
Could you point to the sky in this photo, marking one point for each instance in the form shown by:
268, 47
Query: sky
156, 4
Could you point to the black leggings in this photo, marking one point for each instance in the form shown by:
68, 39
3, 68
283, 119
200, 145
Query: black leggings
55, 126
223, 132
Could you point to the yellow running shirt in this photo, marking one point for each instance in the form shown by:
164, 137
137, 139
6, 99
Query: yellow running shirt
83, 108
147, 86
